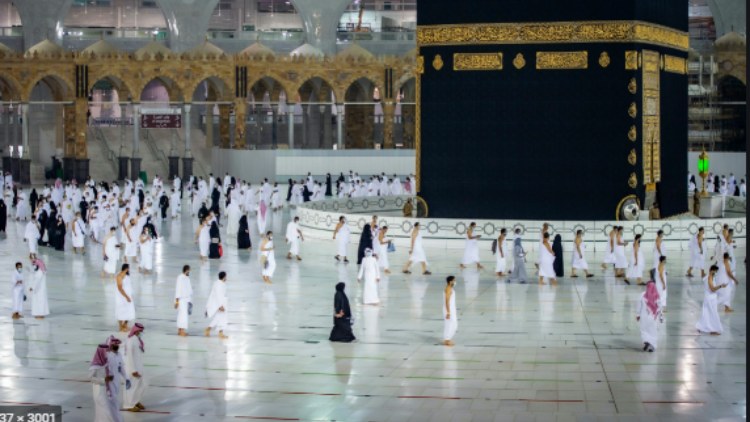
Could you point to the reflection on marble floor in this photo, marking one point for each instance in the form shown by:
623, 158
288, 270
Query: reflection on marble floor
523, 352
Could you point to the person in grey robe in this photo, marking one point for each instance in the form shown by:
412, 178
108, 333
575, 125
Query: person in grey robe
519, 262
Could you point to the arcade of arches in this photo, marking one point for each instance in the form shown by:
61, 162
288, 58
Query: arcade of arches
51, 98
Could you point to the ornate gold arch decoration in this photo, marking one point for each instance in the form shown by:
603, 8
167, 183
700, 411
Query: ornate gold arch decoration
552, 33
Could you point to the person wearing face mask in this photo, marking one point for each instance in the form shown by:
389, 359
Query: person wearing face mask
38, 290
267, 259
134, 350
117, 375
182, 297
17, 292
124, 306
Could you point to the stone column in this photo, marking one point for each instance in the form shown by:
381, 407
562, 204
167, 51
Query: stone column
81, 128
16, 157
188, 129
321, 19
326, 122
187, 21
42, 19
290, 116
7, 143
174, 159
240, 108
122, 160
187, 159
389, 114
69, 141
210, 125
25, 162
224, 126
340, 126
135, 160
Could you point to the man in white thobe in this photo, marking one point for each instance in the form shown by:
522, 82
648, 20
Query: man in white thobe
183, 297
134, 369
174, 200
216, 307
17, 292
293, 237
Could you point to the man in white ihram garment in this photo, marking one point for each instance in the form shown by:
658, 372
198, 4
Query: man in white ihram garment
176, 203
216, 307
183, 295
450, 317
293, 238
471, 250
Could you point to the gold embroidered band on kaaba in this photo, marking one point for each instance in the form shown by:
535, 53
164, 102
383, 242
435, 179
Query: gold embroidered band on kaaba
552, 32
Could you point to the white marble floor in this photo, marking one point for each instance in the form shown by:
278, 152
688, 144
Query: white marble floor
523, 352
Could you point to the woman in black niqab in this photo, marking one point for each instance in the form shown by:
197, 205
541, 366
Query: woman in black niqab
243, 235
289, 191
328, 185
365, 242
557, 249
342, 324
33, 199
3, 215
59, 237
213, 248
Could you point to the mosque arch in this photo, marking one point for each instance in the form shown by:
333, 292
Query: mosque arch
61, 88
10, 89
106, 94
733, 124
364, 114
150, 92
216, 89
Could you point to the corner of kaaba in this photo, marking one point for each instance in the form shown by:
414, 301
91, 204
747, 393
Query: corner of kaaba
551, 108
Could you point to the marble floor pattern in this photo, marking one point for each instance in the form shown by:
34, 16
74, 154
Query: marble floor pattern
523, 353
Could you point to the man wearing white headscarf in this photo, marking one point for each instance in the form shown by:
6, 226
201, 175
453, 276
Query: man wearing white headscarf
370, 273
38, 290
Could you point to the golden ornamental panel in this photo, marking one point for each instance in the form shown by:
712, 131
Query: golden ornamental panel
478, 61
633, 181
604, 59
562, 60
632, 133
420, 65
633, 110
632, 86
519, 62
631, 60
651, 123
552, 32
437, 62
632, 157
675, 64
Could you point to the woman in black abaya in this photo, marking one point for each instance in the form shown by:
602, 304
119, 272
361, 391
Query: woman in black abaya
557, 249
289, 191
342, 322
243, 235
365, 242
329, 192
3, 215
59, 238
213, 248
33, 199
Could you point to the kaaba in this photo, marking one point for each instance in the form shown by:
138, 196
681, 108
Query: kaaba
542, 109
